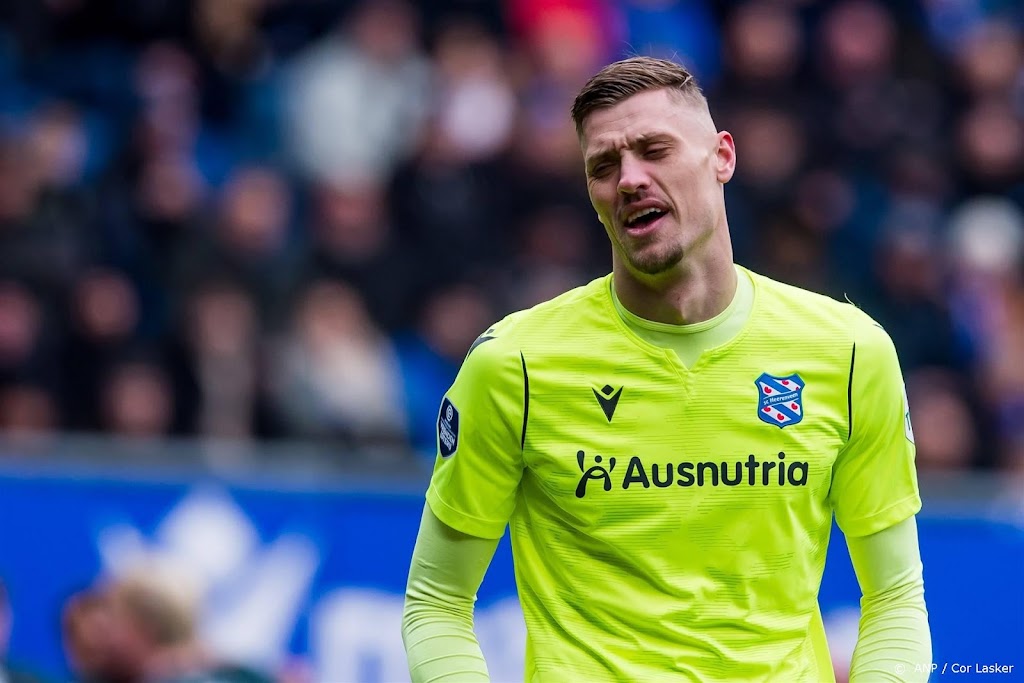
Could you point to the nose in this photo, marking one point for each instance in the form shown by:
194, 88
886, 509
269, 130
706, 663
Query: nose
632, 175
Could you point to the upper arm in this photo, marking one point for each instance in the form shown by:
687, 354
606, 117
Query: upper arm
886, 559
480, 426
874, 480
447, 564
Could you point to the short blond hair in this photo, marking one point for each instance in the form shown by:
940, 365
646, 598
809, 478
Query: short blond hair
623, 79
161, 603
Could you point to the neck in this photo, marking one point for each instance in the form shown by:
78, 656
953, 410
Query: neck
691, 294
174, 661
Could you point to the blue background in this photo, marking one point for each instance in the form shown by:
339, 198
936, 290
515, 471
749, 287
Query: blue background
365, 534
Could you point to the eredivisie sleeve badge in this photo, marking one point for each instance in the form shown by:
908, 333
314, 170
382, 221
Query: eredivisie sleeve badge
447, 428
780, 399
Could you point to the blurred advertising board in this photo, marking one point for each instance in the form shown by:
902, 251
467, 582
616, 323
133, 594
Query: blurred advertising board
314, 573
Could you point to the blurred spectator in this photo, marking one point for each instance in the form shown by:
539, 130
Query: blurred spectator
28, 379
882, 92
166, 83
84, 630
775, 148
42, 212
449, 211
359, 95
255, 210
430, 355
552, 256
141, 627
763, 45
354, 239
990, 144
790, 249
683, 30
58, 146
103, 319
566, 40
944, 429
990, 60
558, 46
248, 238
222, 336
908, 300
22, 353
541, 172
987, 247
334, 374
168, 198
27, 412
228, 34
858, 42
136, 400
474, 107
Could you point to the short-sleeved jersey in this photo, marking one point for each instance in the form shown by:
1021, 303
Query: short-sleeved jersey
671, 523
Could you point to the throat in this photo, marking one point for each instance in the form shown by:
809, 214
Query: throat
677, 299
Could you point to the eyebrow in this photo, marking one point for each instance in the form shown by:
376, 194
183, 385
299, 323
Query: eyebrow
638, 141
597, 158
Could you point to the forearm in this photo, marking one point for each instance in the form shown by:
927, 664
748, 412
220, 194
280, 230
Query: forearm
440, 643
894, 641
437, 624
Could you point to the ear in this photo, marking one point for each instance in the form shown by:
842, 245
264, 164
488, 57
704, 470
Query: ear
725, 157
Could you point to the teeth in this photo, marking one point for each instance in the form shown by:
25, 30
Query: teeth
633, 217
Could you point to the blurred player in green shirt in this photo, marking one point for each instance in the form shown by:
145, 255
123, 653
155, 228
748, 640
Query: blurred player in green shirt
668, 444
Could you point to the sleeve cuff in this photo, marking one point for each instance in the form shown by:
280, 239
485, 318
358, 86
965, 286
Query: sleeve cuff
894, 514
460, 521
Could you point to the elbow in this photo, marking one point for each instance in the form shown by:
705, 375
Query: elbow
412, 610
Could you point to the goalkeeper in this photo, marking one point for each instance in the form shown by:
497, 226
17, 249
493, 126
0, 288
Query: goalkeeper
668, 444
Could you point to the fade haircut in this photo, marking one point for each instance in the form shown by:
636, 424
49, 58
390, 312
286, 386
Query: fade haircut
623, 79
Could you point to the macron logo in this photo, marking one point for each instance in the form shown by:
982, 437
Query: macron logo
608, 398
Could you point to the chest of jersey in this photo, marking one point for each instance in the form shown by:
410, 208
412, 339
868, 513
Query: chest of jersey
649, 442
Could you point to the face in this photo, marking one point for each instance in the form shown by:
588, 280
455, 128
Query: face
655, 168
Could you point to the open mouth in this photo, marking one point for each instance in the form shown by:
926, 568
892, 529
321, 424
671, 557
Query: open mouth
642, 220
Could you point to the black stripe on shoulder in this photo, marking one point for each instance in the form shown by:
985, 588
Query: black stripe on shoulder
526, 400
485, 337
849, 391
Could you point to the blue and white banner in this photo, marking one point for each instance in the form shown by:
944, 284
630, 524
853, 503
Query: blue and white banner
317, 576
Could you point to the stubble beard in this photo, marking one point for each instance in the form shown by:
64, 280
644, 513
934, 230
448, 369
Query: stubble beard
667, 252
656, 259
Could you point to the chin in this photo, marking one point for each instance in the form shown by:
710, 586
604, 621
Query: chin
655, 264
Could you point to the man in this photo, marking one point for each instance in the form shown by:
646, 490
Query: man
141, 627
668, 444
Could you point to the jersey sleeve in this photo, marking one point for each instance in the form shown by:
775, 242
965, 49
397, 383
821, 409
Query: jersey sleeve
874, 480
479, 437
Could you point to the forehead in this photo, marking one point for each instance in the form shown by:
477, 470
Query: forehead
644, 115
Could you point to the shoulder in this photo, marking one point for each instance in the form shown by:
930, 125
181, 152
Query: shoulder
495, 375
811, 312
546, 323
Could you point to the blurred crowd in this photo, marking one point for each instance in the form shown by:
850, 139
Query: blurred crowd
140, 627
267, 219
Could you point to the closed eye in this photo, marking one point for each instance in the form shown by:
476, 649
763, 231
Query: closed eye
655, 152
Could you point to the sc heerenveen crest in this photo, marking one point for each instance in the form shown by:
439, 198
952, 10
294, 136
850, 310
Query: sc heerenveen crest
780, 399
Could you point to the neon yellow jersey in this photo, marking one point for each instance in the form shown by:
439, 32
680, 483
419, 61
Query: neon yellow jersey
671, 524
